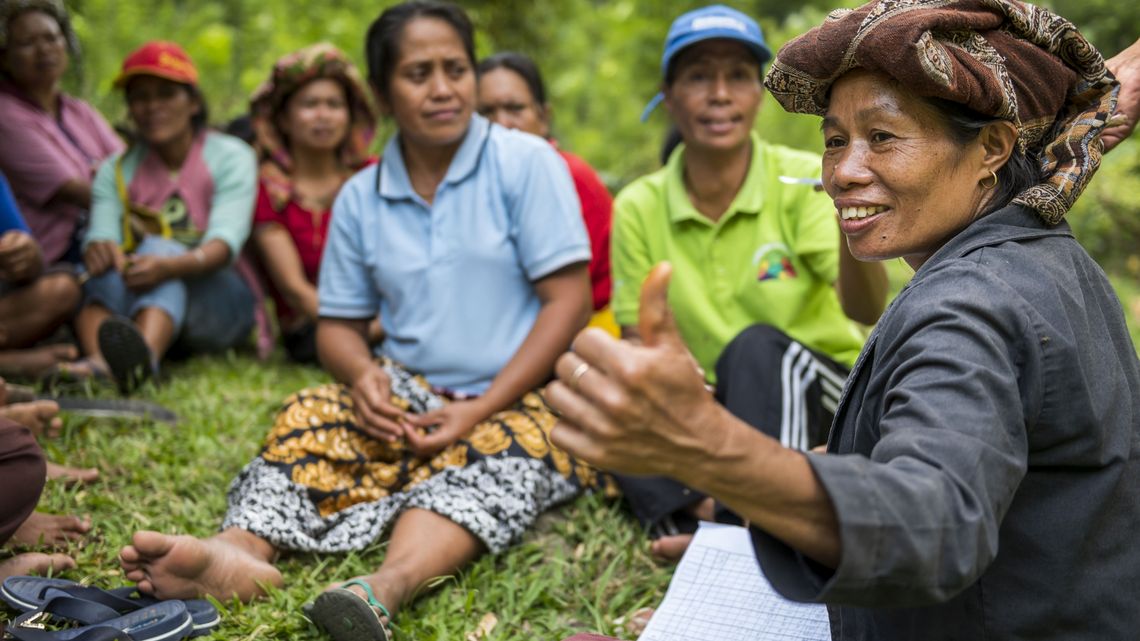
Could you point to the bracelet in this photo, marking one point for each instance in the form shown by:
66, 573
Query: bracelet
200, 255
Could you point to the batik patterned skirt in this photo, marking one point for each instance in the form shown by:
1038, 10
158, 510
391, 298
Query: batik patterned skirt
321, 484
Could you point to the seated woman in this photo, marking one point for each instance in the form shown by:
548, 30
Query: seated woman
53, 142
982, 476
512, 94
766, 292
468, 242
170, 217
33, 305
313, 125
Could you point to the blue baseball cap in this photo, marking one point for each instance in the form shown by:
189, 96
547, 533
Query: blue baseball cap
707, 23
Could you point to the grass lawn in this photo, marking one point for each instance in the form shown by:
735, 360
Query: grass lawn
583, 567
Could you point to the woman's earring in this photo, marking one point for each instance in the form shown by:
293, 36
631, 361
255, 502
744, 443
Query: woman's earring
983, 184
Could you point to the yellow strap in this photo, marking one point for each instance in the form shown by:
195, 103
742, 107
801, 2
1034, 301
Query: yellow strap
129, 242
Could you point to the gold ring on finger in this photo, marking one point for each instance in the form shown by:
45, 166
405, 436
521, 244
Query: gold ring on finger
577, 375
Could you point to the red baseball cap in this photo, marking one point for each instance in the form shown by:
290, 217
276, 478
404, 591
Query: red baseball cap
158, 58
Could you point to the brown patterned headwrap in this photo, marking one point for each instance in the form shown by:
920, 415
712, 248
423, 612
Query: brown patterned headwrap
1001, 58
290, 73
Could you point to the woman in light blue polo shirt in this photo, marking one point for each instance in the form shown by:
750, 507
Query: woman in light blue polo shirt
468, 242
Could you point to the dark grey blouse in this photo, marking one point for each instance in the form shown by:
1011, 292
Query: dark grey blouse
984, 462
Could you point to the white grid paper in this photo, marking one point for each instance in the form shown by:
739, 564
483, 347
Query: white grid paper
718, 593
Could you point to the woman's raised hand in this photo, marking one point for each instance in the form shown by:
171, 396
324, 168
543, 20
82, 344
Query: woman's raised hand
635, 409
372, 402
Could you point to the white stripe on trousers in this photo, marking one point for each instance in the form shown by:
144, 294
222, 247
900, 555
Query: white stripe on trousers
798, 370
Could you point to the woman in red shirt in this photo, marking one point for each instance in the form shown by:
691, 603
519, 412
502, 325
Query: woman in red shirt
313, 124
512, 94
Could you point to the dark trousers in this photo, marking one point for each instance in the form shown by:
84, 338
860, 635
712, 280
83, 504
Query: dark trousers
767, 380
22, 475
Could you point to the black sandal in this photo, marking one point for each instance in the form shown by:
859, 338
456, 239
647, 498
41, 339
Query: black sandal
126, 353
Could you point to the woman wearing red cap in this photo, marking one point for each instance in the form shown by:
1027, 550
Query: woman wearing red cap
169, 219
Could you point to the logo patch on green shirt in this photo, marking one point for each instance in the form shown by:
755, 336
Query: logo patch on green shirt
774, 261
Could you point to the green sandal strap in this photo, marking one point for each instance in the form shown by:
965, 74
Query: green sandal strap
372, 600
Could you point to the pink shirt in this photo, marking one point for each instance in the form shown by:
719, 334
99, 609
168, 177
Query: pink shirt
39, 154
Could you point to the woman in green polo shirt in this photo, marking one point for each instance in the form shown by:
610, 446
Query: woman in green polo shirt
766, 296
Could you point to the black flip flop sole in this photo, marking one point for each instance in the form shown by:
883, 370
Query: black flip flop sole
126, 353
344, 616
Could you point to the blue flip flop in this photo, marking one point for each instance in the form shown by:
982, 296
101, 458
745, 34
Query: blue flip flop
27, 593
165, 621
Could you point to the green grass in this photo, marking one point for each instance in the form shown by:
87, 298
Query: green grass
584, 565
582, 568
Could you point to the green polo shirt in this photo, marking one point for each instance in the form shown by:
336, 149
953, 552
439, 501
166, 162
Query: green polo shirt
773, 258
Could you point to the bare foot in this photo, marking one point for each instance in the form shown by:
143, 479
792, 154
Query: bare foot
35, 563
38, 416
51, 530
36, 361
670, 548
184, 567
71, 475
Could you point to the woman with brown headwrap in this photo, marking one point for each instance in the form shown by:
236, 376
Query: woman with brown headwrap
312, 124
982, 478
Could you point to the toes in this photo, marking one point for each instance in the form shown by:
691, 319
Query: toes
61, 562
129, 556
152, 544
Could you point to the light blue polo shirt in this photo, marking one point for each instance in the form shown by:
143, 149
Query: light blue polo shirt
452, 280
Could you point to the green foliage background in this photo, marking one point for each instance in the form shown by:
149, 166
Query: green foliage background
601, 61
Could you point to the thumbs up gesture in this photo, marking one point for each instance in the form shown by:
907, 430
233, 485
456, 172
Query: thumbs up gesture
636, 409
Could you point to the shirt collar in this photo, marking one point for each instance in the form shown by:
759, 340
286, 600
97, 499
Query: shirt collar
1010, 223
749, 200
393, 182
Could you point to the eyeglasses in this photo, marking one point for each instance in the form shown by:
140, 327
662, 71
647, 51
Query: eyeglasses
511, 108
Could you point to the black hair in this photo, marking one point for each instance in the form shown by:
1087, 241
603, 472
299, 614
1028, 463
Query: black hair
672, 139
201, 119
382, 44
521, 64
241, 127
964, 125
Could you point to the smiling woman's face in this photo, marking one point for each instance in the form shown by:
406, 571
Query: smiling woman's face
901, 185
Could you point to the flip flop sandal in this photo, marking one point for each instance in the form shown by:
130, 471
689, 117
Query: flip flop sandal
165, 621
26, 593
344, 616
126, 353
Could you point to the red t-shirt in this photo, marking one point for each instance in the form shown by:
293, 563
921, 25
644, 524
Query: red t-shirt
308, 231
597, 213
